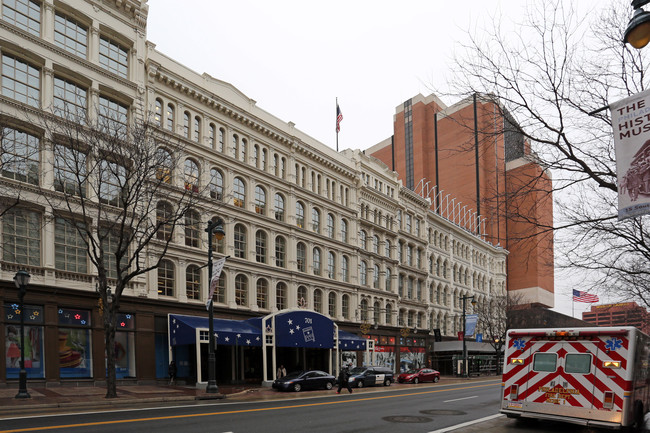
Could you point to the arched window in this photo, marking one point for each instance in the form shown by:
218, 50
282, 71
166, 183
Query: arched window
192, 233
164, 166
344, 230
191, 175
388, 245
280, 252
301, 253
241, 290
303, 299
279, 207
315, 220
260, 247
240, 241
363, 241
376, 311
262, 293
331, 304
316, 263
364, 310
157, 115
264, 159
170, 117
222, 134
345, 306
235, 146
330, 226
164, 214
216, 184
389, 278
166, 278
375, 244
193, 282
300, 214
260, 200
375, 277
212, 142
363, 274
344, 269
239, 192
318, 301
197, 129
331, 265
186, 124
281, 296
389, 314
242, 151
220, 290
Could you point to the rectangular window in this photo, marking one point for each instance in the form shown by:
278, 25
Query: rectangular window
125, 346
544, 362
75, 354
113, 116
33, 317
21, 81
20, 156
24, 14
109, 243
70, 171
112, 183
69, 247
113, 57
577, 363
69, 100
70, 35
21, 232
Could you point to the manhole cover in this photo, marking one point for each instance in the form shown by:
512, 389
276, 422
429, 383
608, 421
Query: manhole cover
441, 412
407, 419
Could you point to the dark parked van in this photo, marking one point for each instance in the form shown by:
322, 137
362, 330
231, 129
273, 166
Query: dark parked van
370, 376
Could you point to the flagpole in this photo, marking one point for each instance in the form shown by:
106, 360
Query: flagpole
337, 124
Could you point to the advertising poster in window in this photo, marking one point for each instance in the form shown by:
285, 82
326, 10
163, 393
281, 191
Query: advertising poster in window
348, 358
125, 346
411, 358
75, 352
34, 364
385, 356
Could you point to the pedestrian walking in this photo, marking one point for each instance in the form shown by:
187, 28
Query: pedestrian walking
344, 375
281, 372
172, 372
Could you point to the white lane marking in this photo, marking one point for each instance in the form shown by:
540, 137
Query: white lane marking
466, 424
458, 399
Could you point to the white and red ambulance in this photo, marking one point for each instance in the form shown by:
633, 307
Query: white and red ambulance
589, 376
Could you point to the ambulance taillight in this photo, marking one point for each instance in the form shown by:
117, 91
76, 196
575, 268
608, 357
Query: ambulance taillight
608, 401
514, 392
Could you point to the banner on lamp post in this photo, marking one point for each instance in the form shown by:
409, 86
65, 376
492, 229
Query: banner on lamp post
217, 267
470, 324
631, 125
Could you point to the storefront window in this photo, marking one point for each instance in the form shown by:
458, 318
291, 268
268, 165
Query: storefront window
125, 346
34, 364
75, 354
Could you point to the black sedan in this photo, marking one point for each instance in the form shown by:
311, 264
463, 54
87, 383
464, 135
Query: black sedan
302, 380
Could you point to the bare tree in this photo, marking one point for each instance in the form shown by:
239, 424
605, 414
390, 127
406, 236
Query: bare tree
114, 186
493, 320
550, 74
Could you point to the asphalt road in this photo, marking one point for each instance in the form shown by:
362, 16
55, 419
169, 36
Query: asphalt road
425, 408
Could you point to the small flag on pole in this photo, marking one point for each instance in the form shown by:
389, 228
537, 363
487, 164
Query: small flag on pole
217, 267
579, 296
339, 117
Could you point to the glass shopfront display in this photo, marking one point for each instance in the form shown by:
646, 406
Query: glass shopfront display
33, 319
75, 354
125, 346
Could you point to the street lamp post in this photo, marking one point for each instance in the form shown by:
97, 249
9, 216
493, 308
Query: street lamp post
215, 227
21, 279
463, 299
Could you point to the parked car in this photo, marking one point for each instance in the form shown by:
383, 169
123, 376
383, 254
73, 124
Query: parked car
419, 375
303, 380
371, 376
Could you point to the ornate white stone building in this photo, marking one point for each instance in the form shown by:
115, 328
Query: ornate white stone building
305, 226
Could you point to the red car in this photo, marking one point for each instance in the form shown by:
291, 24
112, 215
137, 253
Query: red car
419, 375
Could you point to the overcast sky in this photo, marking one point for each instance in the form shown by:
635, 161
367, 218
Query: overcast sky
296, 57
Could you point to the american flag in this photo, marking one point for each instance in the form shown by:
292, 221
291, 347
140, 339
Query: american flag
579, 296
339, 117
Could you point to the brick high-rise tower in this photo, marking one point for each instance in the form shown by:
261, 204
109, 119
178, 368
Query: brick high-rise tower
473, 163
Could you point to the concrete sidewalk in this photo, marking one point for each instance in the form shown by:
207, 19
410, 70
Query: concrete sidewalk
71, 398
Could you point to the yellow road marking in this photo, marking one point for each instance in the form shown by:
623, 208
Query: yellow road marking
98, 423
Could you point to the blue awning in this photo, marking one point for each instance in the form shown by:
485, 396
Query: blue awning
182, 330
304, 328
349, 341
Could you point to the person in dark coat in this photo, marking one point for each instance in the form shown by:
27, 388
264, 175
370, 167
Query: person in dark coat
344, 375
172, 372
